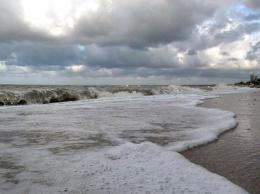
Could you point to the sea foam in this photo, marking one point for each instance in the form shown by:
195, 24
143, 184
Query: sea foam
22, 95
66, 147
129, 168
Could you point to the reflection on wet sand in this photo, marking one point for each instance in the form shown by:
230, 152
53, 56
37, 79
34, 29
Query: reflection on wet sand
235, 155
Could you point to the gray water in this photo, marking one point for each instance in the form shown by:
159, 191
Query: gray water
43, 94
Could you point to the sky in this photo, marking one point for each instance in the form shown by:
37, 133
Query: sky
103, 42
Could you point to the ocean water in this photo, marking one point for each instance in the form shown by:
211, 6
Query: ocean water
120, 139
33, 94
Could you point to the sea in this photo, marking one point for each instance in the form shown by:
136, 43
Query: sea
109, 139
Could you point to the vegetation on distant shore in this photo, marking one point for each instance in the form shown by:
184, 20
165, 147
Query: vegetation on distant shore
254, 82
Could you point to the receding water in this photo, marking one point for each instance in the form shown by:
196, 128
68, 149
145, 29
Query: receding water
87, 145
236, 154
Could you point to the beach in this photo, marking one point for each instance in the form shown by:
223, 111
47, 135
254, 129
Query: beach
236, 154
119, 142
129, 97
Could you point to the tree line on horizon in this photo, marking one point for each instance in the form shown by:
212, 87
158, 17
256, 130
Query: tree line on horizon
254, 81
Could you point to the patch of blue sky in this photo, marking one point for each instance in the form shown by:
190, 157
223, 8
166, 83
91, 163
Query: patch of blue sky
81, 47
241, 9
241, 14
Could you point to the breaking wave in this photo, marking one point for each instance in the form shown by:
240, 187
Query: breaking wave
17, 95
36, 97
173, 89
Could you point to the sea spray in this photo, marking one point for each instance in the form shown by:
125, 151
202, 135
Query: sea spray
22, 95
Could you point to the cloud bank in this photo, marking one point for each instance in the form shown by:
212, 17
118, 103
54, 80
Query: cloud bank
134, 41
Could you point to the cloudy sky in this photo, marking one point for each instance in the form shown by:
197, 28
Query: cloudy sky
128, 41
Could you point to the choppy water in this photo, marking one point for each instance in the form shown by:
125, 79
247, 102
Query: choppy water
24, 94
66, 147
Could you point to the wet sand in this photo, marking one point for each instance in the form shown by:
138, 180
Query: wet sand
236, 154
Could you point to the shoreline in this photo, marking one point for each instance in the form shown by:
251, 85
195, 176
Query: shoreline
235, 154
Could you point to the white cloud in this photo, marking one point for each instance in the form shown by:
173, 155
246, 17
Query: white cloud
75, 68
2, 66
131, 39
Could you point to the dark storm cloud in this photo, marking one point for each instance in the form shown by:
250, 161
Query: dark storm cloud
237, 32
224, 53
139, 38
39, 55
213, 73
254, 53
92, 56
124, 57
253, 3
191, 52
208, 73
232, 59
253, 16
135, 23
178, 72
143, 23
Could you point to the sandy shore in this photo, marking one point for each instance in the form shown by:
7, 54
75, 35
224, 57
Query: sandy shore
236, 154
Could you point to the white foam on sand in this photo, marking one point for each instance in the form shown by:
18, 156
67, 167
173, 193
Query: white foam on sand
129, 168
63, 147
170, 120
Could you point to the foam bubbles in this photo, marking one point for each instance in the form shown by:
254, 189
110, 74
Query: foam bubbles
66, 147
129, 168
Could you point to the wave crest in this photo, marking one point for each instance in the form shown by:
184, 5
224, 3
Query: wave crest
52, 94
37, 97
175, 89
